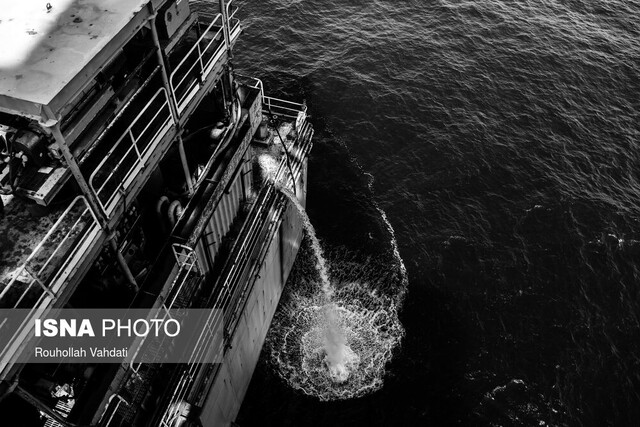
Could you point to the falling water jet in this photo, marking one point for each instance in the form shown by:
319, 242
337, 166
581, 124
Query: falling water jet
333, 344
339, 359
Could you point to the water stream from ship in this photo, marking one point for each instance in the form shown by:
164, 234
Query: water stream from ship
339, 359
335, 343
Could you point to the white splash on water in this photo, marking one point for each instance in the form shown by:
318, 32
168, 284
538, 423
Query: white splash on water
334, 344
368, 323
339, 358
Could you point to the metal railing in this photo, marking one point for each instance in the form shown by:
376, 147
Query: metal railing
132, 149
192, 70
177, 295
44, 266
112, 410
283, 177
188, 265
252, 82
276, 106
233, 21
283, 108
183, 254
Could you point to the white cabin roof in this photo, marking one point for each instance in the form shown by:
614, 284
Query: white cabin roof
48, 54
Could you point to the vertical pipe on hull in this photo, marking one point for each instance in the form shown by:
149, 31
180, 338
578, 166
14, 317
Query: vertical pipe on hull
185, 165
225, 25
89, 194
172, 102
123, 263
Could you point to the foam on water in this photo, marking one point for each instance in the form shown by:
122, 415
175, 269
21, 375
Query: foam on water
339, 358
368, 323
334, 344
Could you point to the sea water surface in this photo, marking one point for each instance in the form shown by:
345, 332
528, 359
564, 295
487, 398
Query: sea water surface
502, 139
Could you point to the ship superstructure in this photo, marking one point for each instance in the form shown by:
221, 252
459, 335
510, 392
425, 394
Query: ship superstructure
129, 177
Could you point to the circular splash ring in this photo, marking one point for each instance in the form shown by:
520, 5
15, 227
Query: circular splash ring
370, 331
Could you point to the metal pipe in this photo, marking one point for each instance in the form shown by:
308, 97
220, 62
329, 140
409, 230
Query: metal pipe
172, 103
287, 155
123, 263
90, 196
185, 165
225, 26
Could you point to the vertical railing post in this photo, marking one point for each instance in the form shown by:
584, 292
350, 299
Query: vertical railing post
225, 27
172, 103
201, 75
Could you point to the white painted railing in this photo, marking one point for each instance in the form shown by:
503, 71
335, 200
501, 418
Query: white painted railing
234, 23
275, 106
282, 108
44, 267
192, 70
41, 278
118, 401
188, 267
252, 82
118, 169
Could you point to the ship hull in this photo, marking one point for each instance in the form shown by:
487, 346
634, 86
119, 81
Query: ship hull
232, 381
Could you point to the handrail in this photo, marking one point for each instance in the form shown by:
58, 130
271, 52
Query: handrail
119, 399
141, 154
182, 253
231, 13
34, 254
277, 106
282, 107
257, 84
48, 272
204, 69
187, 266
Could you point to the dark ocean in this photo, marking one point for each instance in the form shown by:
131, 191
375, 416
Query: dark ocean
502, 139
